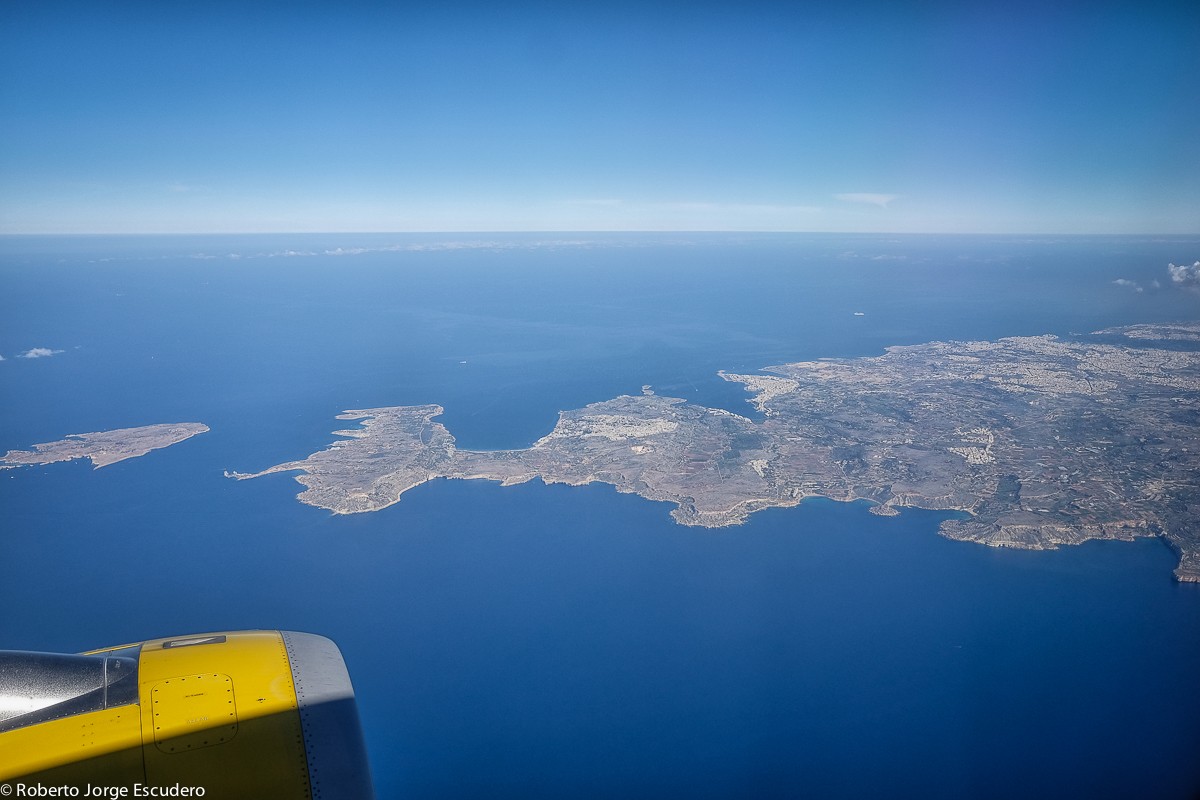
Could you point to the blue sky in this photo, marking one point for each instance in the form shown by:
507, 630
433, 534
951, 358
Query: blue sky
177, 117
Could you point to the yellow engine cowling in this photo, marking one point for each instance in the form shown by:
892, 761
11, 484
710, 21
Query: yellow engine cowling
248, 714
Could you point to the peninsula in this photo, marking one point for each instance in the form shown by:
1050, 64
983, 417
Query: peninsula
1042, 441
104, 447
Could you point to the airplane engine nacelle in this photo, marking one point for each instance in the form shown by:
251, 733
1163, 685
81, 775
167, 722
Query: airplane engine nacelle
248, 714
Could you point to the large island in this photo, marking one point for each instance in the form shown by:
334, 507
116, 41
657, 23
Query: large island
1042, 441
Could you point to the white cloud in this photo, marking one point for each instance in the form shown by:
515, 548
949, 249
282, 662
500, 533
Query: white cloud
851, 255
39, 352
1126, 282
750, 208
1185, 276
597, 201
1154, 284
870, 198
413, 247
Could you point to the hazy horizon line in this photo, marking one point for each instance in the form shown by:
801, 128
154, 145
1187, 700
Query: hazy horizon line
587, 231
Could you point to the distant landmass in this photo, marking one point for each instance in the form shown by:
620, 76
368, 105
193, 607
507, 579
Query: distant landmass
104, 447
1042, 441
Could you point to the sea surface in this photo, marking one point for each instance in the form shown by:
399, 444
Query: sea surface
553, 641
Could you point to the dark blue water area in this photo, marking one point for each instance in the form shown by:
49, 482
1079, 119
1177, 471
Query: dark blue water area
540, 641
569, 641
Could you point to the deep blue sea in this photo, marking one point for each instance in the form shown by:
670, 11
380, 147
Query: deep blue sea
538, 641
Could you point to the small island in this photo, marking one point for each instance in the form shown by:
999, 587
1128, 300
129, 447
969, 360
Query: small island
104, 447
1041, 441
